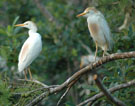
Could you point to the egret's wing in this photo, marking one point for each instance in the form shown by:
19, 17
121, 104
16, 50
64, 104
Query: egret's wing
24, 52
106, 30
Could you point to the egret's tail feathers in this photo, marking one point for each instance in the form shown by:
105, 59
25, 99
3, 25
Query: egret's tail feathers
20, 70
20, 67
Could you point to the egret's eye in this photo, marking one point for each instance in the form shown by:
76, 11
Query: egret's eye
26, 24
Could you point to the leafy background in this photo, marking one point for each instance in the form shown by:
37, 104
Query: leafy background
62, 50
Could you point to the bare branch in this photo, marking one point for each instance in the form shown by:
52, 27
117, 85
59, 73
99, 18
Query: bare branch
114, 100
70, 85
101, 94
63, 96
35, 81
126, 22
90, 67
29, 92
86, 69
85, 47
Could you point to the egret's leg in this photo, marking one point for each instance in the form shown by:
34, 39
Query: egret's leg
104, 51
81, 64
96, 51
25, 73
30, 74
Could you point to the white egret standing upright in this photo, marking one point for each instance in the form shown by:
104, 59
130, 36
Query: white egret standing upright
30, 49
98, 28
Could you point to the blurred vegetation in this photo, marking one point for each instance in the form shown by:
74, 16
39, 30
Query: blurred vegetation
62, 51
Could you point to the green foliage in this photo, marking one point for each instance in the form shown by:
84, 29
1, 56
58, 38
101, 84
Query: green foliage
62, 50
4, 93
25, 91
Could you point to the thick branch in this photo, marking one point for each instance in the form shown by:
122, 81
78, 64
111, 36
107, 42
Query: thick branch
114, 100
113, 89
89, 68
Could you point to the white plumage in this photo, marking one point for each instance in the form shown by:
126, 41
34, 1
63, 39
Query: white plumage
103, 35
34, 47
98, 28
31, 47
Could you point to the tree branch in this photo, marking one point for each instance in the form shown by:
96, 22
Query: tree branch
69, 86
114, 100
38, 99
126, 22
38, 82
63, 96
86, 69
85, 47
113, 89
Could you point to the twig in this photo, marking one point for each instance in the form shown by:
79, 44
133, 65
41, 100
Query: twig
63, 96
29, 92
38, 99
85, 47
114, 100
70, 85
113, 89
40, 83
89, 68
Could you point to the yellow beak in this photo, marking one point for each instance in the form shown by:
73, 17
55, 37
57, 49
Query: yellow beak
19, 25
81, 14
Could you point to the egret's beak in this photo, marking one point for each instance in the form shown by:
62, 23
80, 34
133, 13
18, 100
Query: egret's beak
81, 14
20, 25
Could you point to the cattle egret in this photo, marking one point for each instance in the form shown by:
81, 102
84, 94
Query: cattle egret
99, 29
30, 49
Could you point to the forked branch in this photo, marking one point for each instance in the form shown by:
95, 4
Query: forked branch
81, 72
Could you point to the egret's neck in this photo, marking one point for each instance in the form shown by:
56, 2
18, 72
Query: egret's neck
32, 32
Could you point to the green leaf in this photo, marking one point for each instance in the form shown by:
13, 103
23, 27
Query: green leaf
15, 20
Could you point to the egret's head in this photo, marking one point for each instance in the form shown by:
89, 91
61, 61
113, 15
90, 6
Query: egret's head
29, 24
88, 11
